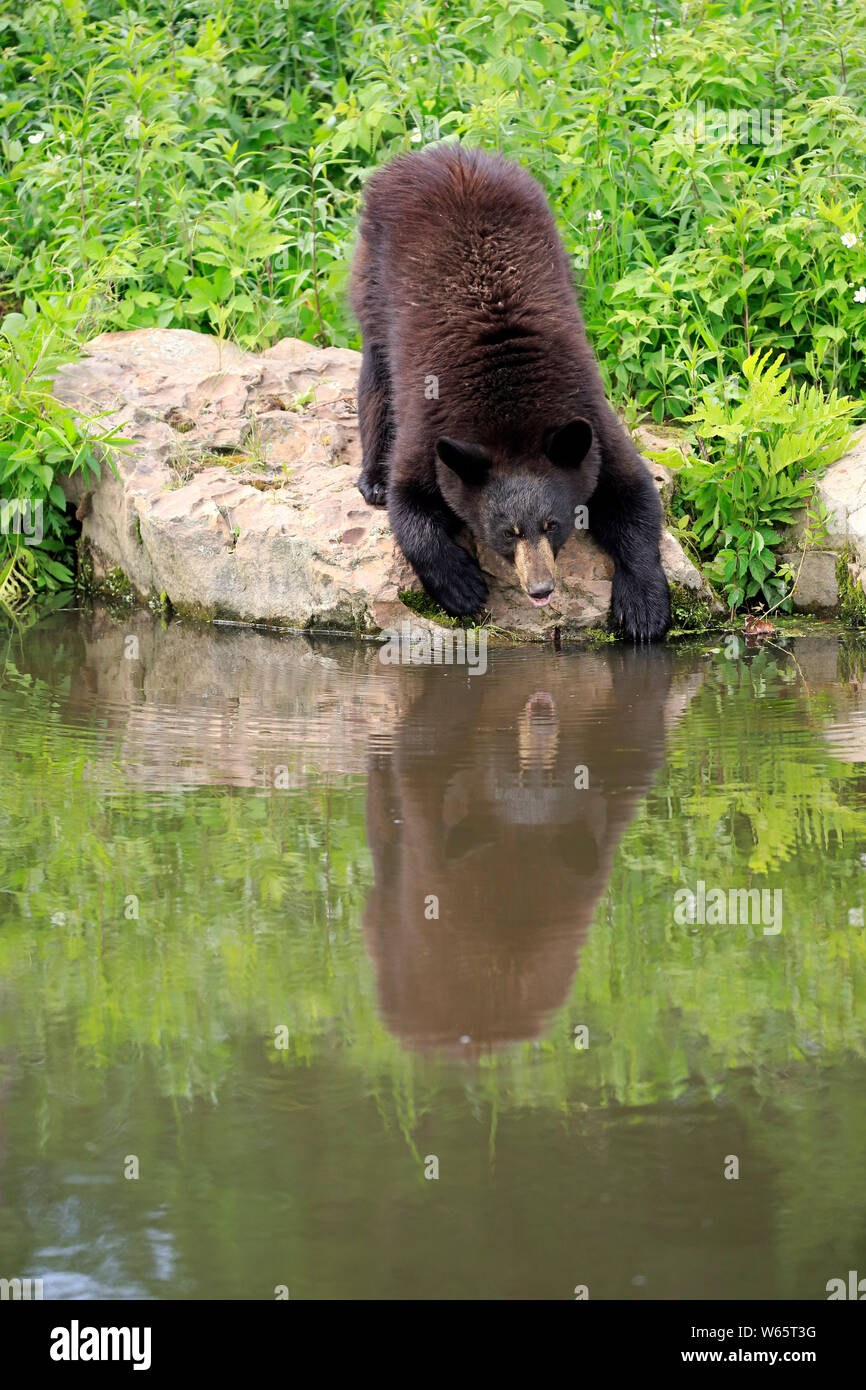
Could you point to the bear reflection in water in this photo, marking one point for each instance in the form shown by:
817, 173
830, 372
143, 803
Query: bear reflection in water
492, 822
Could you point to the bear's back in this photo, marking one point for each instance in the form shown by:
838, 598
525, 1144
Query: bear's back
459, 252
466, 226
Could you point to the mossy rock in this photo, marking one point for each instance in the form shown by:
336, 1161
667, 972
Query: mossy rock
418, 601
691, 611
852, 599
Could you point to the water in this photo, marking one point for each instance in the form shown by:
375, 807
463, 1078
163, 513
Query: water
281, 925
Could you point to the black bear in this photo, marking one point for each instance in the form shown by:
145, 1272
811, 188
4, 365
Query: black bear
480, 401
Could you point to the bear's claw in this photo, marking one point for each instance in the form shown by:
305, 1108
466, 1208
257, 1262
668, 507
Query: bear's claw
373, 490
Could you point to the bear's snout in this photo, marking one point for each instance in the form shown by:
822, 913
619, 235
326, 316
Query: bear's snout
536, 569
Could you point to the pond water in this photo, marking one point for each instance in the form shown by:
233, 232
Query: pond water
284, 930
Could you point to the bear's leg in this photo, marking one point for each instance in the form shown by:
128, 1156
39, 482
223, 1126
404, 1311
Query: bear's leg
374, 418
625, 516
424, 528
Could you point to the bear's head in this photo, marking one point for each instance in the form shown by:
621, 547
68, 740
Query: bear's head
524, 507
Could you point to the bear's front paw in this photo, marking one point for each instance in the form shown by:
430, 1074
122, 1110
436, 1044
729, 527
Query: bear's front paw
462, 590
641, 604
373, 488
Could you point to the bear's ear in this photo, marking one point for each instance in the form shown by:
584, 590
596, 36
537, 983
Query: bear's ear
568, 447
468, 461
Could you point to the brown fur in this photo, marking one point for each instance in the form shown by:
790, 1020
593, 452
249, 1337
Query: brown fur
480, 400
475, 802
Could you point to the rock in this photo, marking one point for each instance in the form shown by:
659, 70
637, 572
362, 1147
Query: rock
816, 589
659, 439
843, 492
237, 498
663, 478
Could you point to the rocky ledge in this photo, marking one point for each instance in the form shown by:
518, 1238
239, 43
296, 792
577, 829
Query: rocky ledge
236, 498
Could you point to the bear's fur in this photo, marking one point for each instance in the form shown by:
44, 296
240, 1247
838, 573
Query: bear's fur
480, 401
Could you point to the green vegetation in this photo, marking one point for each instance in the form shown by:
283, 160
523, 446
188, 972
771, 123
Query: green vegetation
163, 910
39, 442
595, 637
199, 165
748, 792
852, 600
690, 611
419, 601
761, 450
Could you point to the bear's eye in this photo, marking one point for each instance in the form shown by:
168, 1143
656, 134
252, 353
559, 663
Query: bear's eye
511, 534
551, 525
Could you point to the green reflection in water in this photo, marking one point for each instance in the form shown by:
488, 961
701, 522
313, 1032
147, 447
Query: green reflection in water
234, 832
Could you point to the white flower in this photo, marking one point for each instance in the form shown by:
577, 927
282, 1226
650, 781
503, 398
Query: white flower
37, 137
860, 295
331, 122
849, 239
594, 216
413, 57
415, 137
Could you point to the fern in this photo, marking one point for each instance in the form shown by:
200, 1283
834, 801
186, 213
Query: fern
762, 450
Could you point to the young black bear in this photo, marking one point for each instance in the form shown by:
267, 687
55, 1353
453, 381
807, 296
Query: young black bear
480, 401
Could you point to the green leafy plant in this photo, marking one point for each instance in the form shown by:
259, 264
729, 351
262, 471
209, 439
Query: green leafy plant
704, 164
762, 446
40, 440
